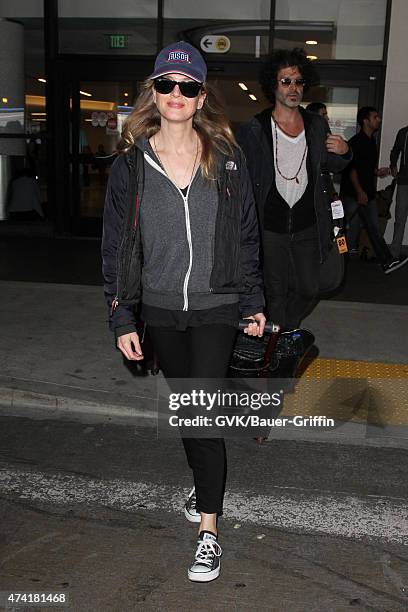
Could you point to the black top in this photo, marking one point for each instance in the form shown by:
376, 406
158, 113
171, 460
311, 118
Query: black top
281, 218
226, 314
365, 159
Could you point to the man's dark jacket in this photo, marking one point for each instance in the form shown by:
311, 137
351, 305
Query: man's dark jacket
255, 138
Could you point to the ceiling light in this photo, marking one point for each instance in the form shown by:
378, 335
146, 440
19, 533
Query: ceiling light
37, 114
125, 104
85, 93
126, 94
42, 80
253, 97
4, 100
311, 42
243, 86
312, 57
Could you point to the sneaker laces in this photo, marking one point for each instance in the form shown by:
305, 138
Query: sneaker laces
206, 550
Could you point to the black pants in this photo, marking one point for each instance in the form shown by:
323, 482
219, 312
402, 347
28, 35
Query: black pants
291, 275
367, 215
199, 352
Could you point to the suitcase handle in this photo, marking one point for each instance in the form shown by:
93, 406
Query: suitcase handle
270, 327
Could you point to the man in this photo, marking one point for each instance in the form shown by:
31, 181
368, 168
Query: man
358, 189
286, 148
400, 148
319, 108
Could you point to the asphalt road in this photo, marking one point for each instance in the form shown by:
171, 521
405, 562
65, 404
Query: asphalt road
94, 509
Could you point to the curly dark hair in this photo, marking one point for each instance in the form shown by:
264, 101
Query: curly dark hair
284, 58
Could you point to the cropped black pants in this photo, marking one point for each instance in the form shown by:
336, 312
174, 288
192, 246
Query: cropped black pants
199, 352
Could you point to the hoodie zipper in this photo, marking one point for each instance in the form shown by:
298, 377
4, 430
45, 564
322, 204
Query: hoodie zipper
188, 226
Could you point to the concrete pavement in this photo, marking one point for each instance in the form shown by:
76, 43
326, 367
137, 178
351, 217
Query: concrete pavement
57, 355
91, 502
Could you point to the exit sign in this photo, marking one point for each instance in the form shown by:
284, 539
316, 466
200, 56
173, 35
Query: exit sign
118, 41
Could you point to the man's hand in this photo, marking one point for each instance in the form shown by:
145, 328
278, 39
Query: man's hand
336, 144
257, 327
129, 346
362, 198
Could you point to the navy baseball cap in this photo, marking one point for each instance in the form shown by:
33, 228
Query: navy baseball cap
180, 58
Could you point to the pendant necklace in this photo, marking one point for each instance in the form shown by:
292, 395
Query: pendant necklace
169, 174
287, 178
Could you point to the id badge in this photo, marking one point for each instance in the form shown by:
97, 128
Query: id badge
337, 209
342, 244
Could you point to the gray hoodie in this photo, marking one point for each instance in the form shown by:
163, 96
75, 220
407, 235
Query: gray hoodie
178, 239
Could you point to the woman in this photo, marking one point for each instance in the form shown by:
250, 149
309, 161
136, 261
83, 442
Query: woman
181, 239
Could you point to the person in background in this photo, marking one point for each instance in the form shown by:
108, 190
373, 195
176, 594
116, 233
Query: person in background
319, 108
286, 148
400, 150
25, 197
181, 238
358, 190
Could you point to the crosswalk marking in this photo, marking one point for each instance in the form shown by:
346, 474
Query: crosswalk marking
287, 509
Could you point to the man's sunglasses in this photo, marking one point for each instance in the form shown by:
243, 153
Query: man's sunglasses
189, 89
287, 81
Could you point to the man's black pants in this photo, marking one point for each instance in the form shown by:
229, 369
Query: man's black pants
199, 352
291, 275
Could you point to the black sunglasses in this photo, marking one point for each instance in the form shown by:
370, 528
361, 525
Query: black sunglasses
189, 89
287, 81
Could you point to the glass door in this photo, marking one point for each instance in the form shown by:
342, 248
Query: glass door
99, 107
103, 107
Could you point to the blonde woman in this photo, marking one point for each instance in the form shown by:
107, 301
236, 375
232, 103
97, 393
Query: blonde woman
181, 240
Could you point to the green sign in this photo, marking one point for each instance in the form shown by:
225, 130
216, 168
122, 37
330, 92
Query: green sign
118, 41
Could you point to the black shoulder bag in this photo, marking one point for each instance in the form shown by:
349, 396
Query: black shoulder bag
332, 269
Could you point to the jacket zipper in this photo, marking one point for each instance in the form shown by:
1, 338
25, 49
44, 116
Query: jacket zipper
115, 301
190, 247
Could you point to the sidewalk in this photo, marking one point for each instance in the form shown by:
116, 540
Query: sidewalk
57, 356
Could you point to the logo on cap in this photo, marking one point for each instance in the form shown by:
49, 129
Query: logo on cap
178, 56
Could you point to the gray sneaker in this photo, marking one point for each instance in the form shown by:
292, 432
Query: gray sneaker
190, 511
207, 564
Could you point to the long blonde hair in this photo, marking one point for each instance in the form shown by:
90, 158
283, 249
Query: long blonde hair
210, 123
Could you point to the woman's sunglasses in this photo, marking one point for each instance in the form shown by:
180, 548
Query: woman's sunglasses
189, 89
287, 81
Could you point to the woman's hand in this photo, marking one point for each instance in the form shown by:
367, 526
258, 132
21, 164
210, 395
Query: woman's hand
129, 346
257, 327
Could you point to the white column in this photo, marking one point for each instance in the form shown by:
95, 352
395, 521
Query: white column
395, 112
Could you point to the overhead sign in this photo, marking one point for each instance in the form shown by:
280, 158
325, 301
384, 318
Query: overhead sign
215, 44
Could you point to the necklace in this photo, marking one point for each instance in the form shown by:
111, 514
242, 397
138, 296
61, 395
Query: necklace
287, 178
170, 174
